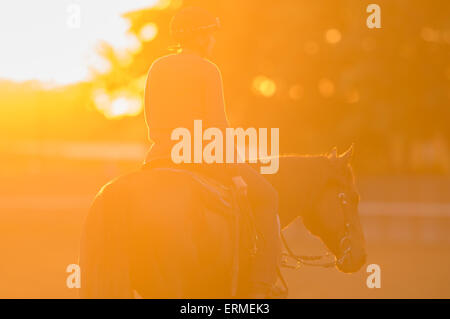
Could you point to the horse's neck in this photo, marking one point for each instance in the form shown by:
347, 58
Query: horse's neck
297, 182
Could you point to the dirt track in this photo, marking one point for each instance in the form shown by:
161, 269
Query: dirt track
41, 217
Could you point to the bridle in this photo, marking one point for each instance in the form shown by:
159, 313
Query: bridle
344, 245
318, 260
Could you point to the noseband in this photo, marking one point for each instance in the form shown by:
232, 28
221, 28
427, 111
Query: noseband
319, 260
344, 244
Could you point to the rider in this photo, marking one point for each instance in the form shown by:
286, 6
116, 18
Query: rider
184, 87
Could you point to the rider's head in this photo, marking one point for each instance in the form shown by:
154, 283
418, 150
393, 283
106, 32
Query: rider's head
193, 28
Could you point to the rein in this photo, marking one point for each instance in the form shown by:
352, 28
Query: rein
317, 260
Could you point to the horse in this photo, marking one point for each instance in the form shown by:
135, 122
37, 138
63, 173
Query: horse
165, 233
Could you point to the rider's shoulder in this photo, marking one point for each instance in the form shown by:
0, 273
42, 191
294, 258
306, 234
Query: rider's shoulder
194, 60
161, 61
211, 67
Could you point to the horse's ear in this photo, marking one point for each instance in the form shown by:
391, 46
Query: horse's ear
333, 153
347, 155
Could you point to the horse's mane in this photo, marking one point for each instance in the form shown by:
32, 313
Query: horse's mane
319, 160
305, 172
314, 162
295, 155
303, 155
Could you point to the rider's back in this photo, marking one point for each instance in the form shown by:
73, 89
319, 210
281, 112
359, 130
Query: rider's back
182, 88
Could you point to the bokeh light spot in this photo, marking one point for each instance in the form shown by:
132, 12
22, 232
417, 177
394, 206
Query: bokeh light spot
124, 106
333, 36
148, 32
429, 34
264, 86
163, 4
120, 105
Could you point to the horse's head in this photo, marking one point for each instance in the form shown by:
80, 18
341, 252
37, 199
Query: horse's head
333, 214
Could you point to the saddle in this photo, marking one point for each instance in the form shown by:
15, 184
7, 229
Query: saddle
231, 202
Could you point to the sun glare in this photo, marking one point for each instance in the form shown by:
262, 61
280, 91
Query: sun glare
117, 106
47, 45
148, 32
264, 86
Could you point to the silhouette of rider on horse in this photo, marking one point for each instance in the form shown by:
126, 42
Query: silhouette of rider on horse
186, 86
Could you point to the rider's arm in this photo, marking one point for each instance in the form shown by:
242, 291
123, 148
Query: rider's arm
215, 103
147, 102
157, 117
